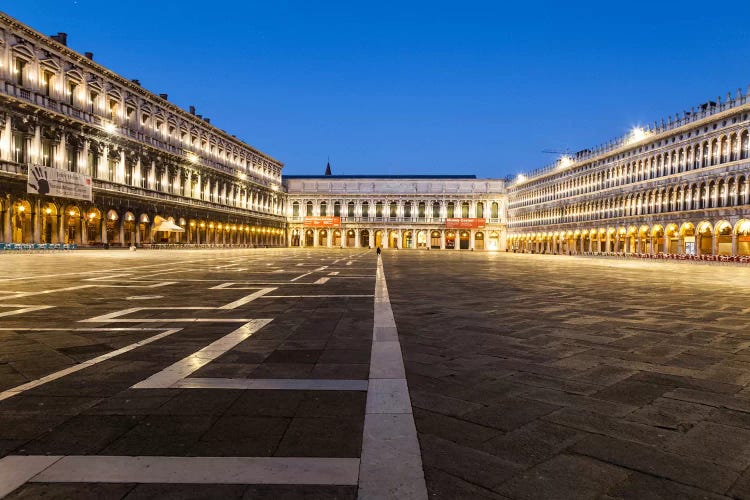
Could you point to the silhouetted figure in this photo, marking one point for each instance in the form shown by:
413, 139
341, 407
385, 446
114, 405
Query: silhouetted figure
377, 251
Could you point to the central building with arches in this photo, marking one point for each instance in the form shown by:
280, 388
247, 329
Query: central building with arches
408, 212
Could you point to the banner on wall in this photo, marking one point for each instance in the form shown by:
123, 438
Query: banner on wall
463, 223
55, 182
322, 222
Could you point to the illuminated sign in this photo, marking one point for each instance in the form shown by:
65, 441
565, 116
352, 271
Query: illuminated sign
457, 223
322, 222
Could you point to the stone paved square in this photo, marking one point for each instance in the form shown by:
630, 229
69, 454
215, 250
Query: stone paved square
528, 376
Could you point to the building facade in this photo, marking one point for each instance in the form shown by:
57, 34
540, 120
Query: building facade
678, 188
144, 159
410, 212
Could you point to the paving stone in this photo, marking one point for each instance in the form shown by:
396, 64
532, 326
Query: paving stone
323, 437
452, 429
721, 444
162, 435
565, 476
610, 426
68, 491
646, 487
81, 435
533, 443
671, 414
295, 492
186, 491
198, 402
443, 486
683, 469
632, 392
588, 403
267, 403
474, 466
242, 436
510, 413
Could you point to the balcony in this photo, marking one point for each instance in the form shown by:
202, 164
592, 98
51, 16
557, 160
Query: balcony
149, 194
136, 134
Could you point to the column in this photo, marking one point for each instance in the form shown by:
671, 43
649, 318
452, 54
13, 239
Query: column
122, 232
442, 239
35, 216
414, 236
103, 222
329, 238
315, 237
60, 227
356, 238
714, 243
734, 243
697, 244
384, 239
471, 240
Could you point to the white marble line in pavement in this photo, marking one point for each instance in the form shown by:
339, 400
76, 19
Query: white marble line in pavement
290, 384
16, 470
24, 308
67, 371
184, 367
116, 316
391, 463
321, 281
301, 276
312, 296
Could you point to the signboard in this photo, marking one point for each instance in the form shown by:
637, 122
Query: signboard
55, 182
455, 223
322, 222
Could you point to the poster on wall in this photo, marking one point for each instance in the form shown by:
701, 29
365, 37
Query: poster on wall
55, 182
464, 223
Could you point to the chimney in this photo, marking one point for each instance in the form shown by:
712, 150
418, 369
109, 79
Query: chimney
89, 55
60, 38
200, 117
207, 119
164, 96
192, 110
136, 81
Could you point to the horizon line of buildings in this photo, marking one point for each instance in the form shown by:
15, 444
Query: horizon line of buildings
92, 158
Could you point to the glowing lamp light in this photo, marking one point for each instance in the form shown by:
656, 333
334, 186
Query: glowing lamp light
21, 208
565, 161
110, 128
637, 134
92, 215
48, 211
72, 213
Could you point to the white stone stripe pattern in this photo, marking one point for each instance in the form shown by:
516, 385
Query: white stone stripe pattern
391, 463
183, 368
17, 470
67, 371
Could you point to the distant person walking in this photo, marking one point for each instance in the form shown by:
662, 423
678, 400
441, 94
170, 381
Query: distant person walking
377, 251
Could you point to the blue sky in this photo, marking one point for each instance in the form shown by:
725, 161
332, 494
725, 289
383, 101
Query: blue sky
415, 87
